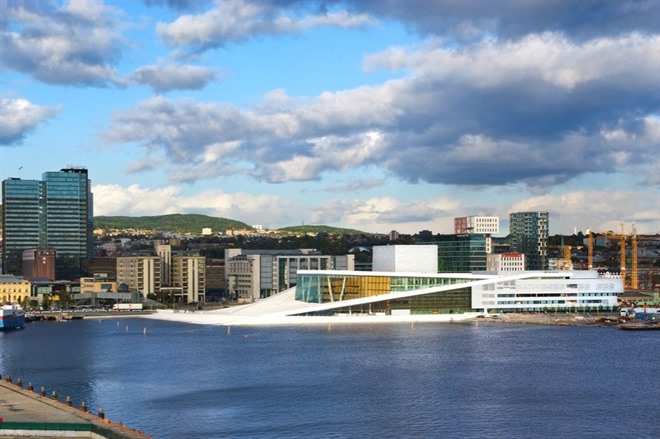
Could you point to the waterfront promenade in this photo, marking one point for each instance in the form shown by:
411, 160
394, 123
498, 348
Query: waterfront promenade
26, 413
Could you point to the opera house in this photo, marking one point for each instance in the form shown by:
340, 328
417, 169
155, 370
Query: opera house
406, 287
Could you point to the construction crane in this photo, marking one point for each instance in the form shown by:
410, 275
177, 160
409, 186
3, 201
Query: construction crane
622, 251
633, 260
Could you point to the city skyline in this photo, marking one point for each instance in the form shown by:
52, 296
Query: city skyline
369, 115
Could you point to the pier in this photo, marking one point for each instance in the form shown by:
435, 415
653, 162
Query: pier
25, 412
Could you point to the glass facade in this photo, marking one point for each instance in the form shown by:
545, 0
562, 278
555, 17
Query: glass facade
459, 253
329, 287
55, 212
20, 220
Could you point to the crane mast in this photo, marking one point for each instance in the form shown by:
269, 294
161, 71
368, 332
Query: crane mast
623, 254
633, 272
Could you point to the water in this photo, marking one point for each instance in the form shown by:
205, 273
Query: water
494, 380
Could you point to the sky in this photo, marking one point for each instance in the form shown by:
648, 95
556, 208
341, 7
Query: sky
375, 115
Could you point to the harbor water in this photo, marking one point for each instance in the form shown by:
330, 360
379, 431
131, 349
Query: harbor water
488, 380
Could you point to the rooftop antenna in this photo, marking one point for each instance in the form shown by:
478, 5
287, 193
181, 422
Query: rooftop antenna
20, 173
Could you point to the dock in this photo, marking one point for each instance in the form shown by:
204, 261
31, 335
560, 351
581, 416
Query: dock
27, 413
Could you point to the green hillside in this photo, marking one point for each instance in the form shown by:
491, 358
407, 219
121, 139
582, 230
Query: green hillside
320, 229
175, 223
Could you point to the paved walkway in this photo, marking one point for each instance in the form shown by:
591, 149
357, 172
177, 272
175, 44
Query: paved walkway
23, 411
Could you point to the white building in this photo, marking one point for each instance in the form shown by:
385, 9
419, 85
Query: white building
327, 296
538, 291
254, 274
506, 262
485, 225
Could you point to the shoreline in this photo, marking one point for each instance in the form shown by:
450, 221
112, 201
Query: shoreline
560, 319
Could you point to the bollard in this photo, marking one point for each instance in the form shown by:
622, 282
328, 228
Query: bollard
19, 382
30, 387
83, 406
101, 414
42, 391
68, 401
53, 395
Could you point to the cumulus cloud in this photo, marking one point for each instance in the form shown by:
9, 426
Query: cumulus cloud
239, 20
178, 5
162, 78
547, 111
76, 43
136, 200
511, 19
599, 211
378, 214
18, 117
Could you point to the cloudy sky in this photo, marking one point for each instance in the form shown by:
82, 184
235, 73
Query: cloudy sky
377, 115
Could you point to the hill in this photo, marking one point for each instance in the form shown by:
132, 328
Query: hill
320, 229
175, 223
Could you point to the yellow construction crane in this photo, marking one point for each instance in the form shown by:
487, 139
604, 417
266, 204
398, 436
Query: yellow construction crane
634, 284
622, 253
633, 260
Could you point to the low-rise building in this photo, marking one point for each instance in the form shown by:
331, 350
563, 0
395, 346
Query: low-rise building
511, 261
14, 289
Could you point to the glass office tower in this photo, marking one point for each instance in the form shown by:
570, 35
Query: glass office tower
56, 212
20, 221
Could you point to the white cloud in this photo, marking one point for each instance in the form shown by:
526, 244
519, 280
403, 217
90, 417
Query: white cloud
77, 43
598, 210
19, 116
174, 77
239, 20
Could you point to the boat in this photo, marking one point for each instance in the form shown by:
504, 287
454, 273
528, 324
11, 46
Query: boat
639, 326
12, 316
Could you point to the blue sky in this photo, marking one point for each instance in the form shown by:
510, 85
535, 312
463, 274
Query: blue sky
375, 115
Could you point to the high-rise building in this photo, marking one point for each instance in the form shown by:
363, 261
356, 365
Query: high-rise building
528, 234
140, 273
189, 274
55, 212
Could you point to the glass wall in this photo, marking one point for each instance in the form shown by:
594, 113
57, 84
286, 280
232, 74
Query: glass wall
325, 288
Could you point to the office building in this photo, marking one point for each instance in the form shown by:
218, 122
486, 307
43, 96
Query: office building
478, 225
55, 212
140, 273
506, 262
528, 234
254, 274
39, 263
189, 277
459, 253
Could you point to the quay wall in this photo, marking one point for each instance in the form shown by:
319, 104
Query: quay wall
28, 413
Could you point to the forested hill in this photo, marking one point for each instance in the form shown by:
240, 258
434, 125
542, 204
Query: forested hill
175, 223
320, 229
